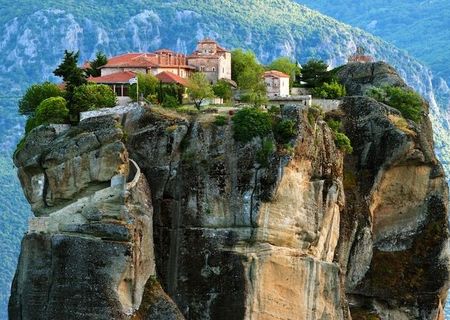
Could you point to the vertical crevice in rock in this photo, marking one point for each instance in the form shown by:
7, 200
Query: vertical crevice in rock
175, 237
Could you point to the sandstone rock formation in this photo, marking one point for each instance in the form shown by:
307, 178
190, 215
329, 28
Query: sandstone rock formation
89, 251
227, 231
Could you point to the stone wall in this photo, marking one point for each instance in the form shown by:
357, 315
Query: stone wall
327, 104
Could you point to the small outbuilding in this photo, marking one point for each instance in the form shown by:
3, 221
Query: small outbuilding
277, 83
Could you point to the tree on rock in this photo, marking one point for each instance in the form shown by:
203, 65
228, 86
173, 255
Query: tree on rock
286, 65
72, 75
148, 87
315, 73
69, 71
49, 111
94, 65
199, 89
222, 89
248, 74
92, 96
36, 94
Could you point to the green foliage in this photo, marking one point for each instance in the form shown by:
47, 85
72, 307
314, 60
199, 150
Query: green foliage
340, 139
221, 120
315, 112
188, 110
51, 110
36, 94
170, 102
284, 130
92, 96
331, 90
199, 89
249, 123
256, 96
263, 154
68, 70
247, 72
408, 102
222, 89
30, 124
173, 91
148, 86
343, 142
315, 73
94, 65
245, 68
334, 125
274, 110
286, 65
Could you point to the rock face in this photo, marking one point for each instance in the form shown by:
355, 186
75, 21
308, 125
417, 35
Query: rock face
89, 252
396, 212
232, 234
226, 230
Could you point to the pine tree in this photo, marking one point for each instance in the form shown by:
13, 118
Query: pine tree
94, 65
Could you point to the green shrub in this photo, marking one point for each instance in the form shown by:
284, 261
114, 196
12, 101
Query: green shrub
284, 130
408, 102
340, 139
148, 86
315, 112
221, 120
51, 110
170, 102
91, 97
262, 155
30, 124
343, 142
222, 89
331, 90
335, 125
36, 94
249, 123
274, 110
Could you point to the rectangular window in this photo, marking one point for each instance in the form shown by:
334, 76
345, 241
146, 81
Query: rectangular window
125, 90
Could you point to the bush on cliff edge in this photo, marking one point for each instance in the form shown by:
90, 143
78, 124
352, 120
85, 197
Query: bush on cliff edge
408, 102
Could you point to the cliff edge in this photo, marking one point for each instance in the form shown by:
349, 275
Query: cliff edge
158, 215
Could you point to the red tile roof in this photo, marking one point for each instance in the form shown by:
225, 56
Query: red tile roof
155, 59
169, 77
275, 74
137, 60
119, 77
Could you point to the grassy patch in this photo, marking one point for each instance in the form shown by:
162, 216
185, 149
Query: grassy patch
401, 124
221, 120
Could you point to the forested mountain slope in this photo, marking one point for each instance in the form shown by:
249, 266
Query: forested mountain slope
415, 25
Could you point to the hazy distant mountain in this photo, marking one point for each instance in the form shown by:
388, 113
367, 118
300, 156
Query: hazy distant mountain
419, 26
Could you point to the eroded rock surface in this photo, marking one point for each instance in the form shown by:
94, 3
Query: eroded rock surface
394, 228
89, 251
233, 235
200, 226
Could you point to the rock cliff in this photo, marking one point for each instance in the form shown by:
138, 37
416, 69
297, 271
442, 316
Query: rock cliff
158, 215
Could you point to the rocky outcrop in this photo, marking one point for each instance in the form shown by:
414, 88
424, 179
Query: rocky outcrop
201, 226
233, 234
394, 227
89, 250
